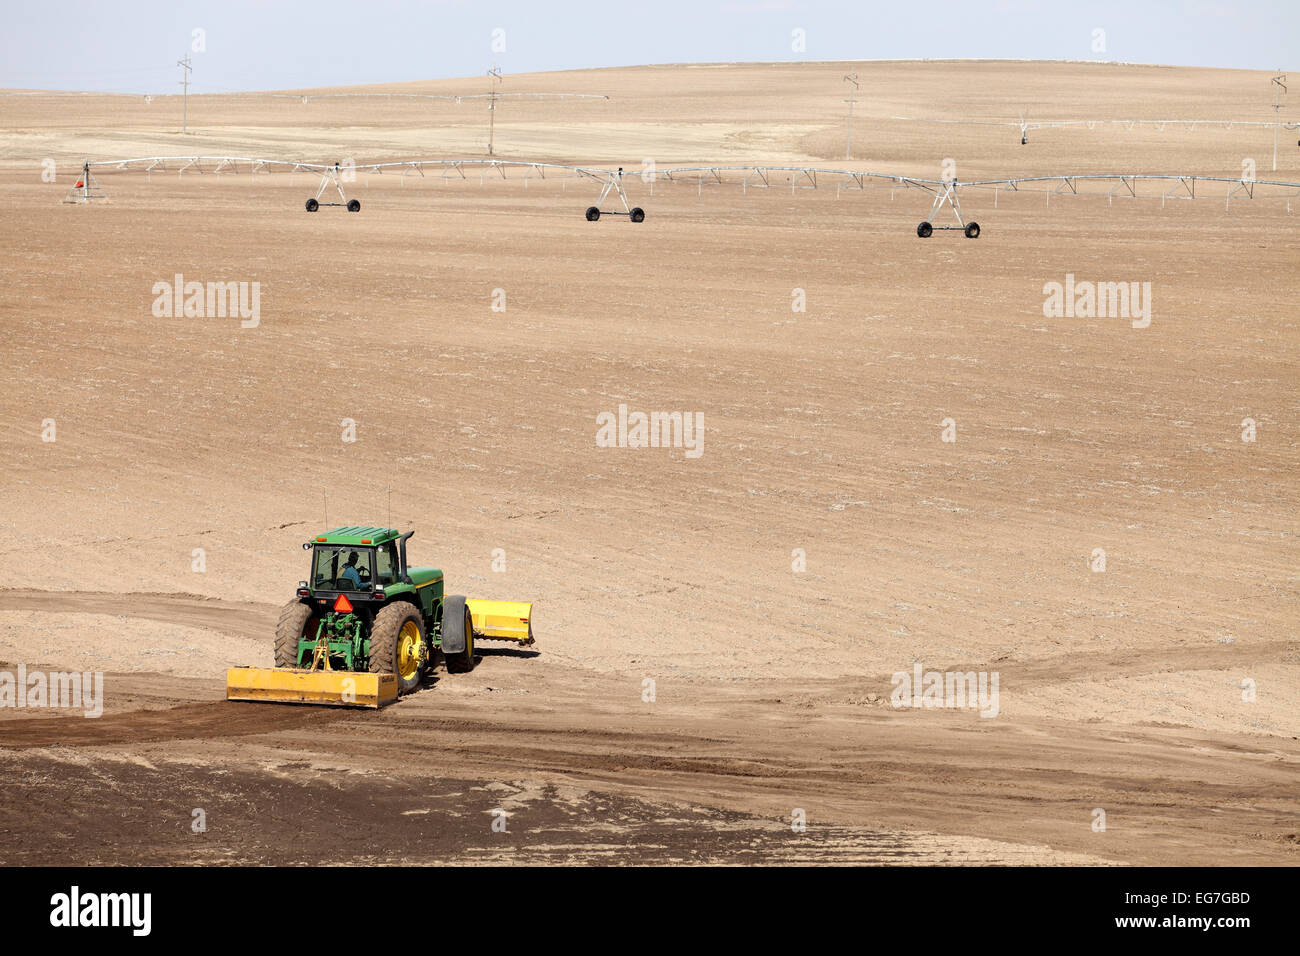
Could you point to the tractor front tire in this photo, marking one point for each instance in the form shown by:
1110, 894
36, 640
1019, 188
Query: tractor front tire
397, 644
294, 621
454, 610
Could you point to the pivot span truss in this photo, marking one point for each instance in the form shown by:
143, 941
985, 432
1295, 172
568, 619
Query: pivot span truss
1124, 185
1025, 125
1158, 124
447, 168
450, 97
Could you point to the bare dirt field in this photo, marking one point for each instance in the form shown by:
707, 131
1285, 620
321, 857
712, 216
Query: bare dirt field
827, 537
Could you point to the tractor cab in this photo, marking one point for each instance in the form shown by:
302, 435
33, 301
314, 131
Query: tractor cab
342, 568
360, 561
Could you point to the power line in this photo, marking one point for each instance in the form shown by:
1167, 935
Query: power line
185, 92
851, 78
1280, 82
495, 74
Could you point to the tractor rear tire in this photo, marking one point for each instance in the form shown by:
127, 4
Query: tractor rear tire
386, 639
295, 619
453, 608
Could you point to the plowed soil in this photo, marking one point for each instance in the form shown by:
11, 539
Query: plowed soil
717, 635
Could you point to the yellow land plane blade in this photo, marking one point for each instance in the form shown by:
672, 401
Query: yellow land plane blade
283, 685
502, 620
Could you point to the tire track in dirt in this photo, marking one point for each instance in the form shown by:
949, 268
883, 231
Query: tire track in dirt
202, 720
244, 619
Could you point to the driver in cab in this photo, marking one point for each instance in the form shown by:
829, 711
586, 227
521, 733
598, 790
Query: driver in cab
351, 574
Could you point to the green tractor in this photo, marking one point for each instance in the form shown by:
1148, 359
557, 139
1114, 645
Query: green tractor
365, 626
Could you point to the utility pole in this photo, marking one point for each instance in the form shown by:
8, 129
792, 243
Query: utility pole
185, 92
1280, 82
851, 78
495, 74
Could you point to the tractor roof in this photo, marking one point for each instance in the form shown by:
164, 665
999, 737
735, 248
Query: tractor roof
357, 534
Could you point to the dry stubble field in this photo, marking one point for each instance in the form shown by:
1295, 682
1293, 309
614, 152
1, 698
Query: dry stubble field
1119, 690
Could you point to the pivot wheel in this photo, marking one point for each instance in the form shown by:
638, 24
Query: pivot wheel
638, 214
297, 622
925, 230
972, 230
312, 205
354, 205
592, 214
397, 644
457, 635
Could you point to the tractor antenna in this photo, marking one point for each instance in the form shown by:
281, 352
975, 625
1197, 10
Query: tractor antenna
184, 64
390, 507
327, 509
851, 78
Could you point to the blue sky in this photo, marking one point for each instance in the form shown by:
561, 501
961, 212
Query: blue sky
133, 46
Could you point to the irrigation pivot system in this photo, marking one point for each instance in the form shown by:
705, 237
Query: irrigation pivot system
331, 177
945, 196
614, 181
944, 191
86, 188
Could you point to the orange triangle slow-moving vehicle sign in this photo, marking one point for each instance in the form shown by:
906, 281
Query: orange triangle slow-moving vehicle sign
343, 605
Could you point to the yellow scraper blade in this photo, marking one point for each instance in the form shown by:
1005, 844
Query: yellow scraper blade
284, 685
502, 620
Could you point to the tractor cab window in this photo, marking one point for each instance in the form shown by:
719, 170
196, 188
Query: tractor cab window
386, 563
342, 568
